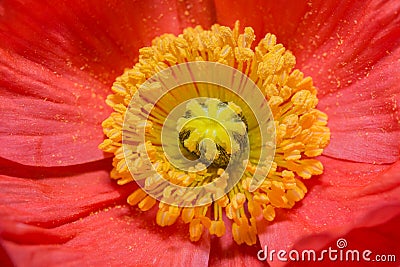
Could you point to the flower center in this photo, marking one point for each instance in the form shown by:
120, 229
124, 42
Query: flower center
273, 109
214, 131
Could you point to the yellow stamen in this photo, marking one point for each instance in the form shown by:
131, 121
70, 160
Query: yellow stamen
195, 230
217, 228
147, 203
207, 128
136, 197
167, 215
269, 213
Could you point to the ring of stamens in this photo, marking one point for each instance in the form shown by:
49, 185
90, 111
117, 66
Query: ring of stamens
301, 133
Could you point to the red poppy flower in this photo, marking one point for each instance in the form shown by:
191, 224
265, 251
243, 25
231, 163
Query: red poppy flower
57, 64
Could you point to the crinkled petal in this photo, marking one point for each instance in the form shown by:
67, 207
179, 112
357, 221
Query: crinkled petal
57, 64
49, 119
114, 236
351, 50
58, 196
378, 233
364, 116
102, 38
84, 219
341, 197
330, 39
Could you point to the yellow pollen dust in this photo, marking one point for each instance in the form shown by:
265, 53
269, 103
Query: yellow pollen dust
301, 132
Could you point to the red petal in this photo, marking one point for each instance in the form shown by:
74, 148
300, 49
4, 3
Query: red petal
364, 116
49, 119
103, 38
278, 17
341, 43
381, 240
82, 219
331, 39
341, 197
358, 75
57, 63
114, 236
4, 258
53, 201
352, 61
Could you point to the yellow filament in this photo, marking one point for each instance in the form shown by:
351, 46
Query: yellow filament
301, 131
